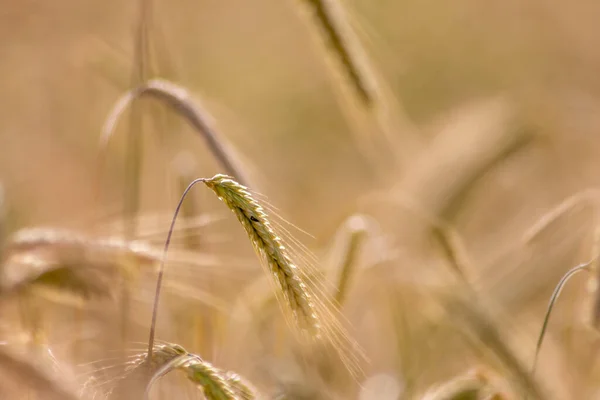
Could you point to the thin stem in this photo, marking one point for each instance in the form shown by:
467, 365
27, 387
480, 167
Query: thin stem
161, 269
553, 300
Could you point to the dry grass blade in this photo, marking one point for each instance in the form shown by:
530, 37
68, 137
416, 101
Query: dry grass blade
27, 272
180, 100
19, 374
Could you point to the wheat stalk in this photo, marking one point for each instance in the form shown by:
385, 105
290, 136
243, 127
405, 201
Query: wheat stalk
357, 230
551, 303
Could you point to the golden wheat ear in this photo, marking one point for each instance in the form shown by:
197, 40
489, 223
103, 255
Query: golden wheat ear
215, 383
312, 311
265, 242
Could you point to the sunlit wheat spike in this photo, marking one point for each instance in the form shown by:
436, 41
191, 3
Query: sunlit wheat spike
19, 374
242, 388
268, 245
182, 101
310, 307
216, 384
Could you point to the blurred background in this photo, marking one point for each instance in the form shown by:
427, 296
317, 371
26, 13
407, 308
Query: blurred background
485, 120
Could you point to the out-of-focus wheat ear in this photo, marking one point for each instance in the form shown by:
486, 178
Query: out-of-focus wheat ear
18, 374
358, 81
30, 273
357, 231
553, 299
181, 101
343, 45
68, 261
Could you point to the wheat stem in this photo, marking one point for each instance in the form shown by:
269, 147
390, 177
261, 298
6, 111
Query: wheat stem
551, 303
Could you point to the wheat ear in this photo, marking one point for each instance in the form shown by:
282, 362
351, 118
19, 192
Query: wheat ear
344, 46
216, 383
267, 245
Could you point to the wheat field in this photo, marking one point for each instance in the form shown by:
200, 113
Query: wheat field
299, 199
